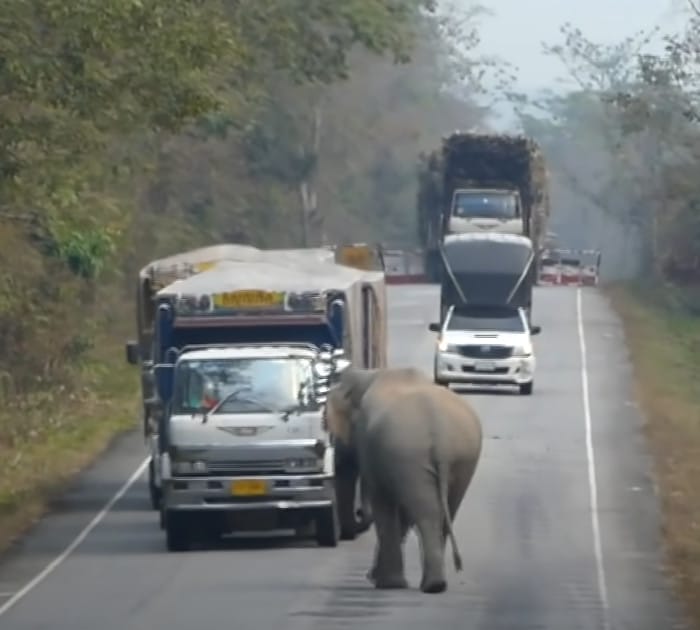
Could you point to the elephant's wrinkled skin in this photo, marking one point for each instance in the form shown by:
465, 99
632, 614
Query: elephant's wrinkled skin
417, 445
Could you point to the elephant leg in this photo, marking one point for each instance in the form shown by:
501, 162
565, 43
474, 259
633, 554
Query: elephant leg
456, 490
432, 539
346, 485
387, 569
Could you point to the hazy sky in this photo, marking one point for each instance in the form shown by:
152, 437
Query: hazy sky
504, 33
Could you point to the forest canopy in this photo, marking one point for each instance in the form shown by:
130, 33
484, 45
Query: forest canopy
623, 146
133, 129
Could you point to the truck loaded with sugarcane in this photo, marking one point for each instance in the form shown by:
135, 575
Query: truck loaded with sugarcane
481, 183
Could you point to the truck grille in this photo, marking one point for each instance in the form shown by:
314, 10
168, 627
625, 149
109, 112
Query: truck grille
257, 467
485, 351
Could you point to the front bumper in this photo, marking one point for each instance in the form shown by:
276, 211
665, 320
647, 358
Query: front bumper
217, 494
452, 367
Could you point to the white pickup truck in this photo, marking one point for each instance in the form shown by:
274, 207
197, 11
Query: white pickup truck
243, 442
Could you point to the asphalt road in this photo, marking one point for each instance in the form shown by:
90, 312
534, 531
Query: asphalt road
537, 556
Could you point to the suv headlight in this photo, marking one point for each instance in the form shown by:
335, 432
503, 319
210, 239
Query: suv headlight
522, 351
189, 468
443, 346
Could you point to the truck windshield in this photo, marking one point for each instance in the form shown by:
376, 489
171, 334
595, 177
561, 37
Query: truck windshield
487, 205
486, 318
245, 385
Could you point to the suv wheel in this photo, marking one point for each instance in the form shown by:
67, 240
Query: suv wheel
526, 388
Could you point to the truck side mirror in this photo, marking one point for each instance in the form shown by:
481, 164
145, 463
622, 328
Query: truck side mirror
535, 330
434, 327
132, 352
340, 365
163, 374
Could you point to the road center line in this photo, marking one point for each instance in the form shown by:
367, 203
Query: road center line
590, 457
59, 560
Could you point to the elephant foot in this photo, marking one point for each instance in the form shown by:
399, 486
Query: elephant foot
434, 586
386, 582
364, 522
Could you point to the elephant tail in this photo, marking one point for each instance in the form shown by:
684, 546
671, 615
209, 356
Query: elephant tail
456, 556
442, 477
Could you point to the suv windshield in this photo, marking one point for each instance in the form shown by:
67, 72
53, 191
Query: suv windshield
486, 318
244, 385
487, 205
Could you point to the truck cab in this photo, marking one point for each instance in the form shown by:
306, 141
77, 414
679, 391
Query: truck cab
243, 441
486, 210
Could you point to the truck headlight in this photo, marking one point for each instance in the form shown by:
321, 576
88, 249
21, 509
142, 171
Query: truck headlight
189, 468
304, 463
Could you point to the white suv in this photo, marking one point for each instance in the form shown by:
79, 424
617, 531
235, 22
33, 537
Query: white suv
485, 345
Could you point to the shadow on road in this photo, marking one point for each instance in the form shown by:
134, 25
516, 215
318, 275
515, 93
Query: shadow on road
479, 390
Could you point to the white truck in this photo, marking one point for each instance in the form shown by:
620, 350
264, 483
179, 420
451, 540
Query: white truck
244, 444
337, 310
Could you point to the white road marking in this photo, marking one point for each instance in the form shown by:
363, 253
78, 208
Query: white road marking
590, 457
59, 560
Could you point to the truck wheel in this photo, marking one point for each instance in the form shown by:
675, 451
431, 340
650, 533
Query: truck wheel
328, 527
364, 515
176, 535
153, 490
439, 381
346, 482
526, 388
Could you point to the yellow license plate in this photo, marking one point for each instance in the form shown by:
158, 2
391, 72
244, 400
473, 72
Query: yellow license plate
359, 257
204, 266
248, 299
249, 487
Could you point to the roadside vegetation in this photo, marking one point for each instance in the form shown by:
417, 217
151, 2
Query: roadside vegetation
130, 130
663, 337
623, 146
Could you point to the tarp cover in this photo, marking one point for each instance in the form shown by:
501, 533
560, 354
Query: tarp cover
489, 269
228, 275
179, 266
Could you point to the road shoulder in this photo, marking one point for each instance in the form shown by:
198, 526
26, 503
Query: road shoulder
648, 504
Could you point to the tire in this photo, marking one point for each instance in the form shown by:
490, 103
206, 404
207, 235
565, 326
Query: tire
526, 388
346, 488
155, 493
327, 527
177, 537
363, 511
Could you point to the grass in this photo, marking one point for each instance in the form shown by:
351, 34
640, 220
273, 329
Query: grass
664, 342
49, 438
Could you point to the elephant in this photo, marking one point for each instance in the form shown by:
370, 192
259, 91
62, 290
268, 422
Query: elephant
352, 522
417, 446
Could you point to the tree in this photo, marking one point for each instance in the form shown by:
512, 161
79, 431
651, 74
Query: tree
623, 137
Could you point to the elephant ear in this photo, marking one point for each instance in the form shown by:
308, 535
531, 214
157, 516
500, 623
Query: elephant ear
344, 399
354, 383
